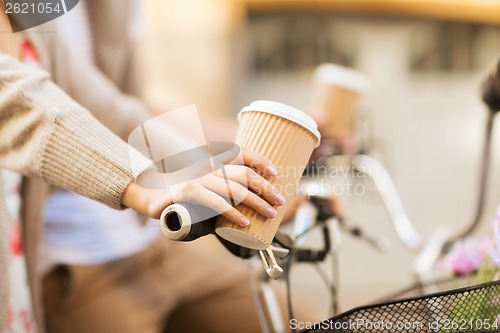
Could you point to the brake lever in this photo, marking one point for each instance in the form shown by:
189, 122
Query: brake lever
270, 264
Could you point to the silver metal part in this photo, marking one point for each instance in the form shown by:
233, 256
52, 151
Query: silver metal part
470, 226
271, 317
280, 252
401, 222
425, 262
305, 218
270, 264
272, 308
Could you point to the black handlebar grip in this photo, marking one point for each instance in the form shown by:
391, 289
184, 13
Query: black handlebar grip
491, 88
187, 222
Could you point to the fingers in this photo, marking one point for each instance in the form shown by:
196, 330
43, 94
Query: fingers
240, 194
237, 182
214, 201
256, 161
251, 179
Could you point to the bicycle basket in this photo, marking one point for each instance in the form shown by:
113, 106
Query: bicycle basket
426, 308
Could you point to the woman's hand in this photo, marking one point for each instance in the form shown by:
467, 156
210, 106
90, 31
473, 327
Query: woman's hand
241, 180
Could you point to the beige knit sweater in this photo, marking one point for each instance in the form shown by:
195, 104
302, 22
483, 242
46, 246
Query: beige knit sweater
45, 134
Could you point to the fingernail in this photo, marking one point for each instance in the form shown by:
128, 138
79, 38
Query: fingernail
272, 170
280, 199
271, 212
244, 221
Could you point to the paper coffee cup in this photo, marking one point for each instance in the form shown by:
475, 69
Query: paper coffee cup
287, 137
337, 91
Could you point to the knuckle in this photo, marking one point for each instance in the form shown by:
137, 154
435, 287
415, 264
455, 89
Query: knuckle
213, 200
217, 203
232, 213
257, 189
250, 173
240, 193
189, 188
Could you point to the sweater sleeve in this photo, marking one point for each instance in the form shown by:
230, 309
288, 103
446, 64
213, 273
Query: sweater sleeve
45, 134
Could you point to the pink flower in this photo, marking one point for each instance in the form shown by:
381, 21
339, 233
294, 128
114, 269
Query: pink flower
465, 257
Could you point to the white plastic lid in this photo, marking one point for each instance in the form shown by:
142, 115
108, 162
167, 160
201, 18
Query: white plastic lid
287, 112
340, 76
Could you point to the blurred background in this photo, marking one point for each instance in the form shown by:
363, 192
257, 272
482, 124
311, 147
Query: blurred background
422, 118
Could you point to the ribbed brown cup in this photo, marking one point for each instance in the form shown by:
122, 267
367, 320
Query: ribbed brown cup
339, 108
337, 91
288, 146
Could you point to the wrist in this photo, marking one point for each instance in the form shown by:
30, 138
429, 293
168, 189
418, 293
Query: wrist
146, 201
134, 197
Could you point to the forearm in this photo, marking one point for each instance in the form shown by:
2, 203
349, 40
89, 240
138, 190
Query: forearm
45, 134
